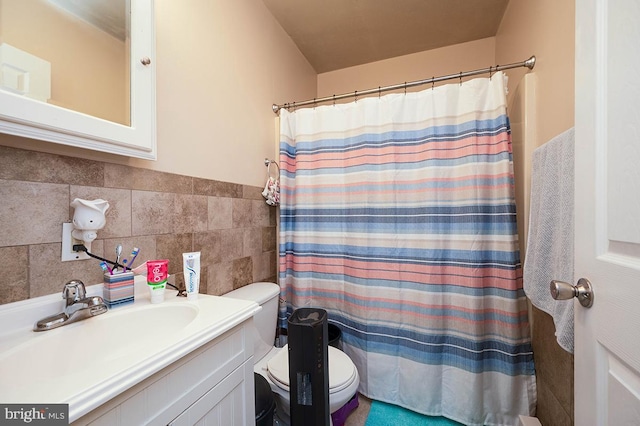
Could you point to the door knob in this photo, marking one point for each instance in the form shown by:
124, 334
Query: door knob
563, 291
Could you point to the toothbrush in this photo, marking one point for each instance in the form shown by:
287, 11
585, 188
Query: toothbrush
134, 253
118, 254
105, 268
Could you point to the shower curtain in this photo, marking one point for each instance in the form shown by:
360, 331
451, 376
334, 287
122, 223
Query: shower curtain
398, 217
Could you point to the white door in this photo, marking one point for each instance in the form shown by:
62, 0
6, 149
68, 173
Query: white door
607, 242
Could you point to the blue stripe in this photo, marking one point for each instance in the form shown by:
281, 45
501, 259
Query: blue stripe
400, 254
403, 211
429, 228
443, 133
428, 286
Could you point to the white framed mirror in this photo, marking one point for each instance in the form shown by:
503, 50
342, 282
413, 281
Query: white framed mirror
80, 73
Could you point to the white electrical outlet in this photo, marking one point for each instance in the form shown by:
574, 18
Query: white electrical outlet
67, 245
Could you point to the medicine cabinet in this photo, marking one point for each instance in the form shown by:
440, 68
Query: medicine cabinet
94, 88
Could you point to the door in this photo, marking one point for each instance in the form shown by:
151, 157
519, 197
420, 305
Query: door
607, 242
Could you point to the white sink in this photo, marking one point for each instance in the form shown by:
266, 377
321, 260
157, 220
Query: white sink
89, 362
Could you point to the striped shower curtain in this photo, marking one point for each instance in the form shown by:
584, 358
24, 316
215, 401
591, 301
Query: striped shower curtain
398, 217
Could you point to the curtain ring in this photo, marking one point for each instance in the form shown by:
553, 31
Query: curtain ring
405, 87
433, 82
315, 104
379, 91
355, 94
490, 73
460, 78
334, 100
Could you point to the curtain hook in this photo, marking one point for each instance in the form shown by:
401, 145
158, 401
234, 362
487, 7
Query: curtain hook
379, 91
355, 94
460, 78
433, 82
405, 87
315, 104
334, 100
490, 73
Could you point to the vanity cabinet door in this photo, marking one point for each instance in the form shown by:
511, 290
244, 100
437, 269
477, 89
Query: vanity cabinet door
230, 403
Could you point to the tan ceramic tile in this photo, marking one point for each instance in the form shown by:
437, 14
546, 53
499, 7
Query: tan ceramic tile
19, 164
119, 214
171, 247
252, 192
260, 213
220, 213
214, 188
219, 278
549, 410
252, 241
231, 242
554, 366
47, 274
32, 212
14, 283
264, 267
152, 213
121, 176
209, 246
269, 240
242, 272
191, 213
242, 216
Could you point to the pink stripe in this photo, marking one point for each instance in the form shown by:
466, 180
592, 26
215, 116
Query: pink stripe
394, 154
439, 274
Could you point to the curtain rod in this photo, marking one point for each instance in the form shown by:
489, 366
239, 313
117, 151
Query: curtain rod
529, 63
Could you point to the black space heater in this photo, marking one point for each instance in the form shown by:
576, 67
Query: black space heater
309, 367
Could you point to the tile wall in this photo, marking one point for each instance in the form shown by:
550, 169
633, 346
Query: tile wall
163, 214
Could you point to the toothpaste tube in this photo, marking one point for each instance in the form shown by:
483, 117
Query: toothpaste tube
191, 268
157, 274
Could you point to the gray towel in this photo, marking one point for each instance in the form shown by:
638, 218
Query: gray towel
549, 254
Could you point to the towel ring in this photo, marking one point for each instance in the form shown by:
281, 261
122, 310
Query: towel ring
268, 163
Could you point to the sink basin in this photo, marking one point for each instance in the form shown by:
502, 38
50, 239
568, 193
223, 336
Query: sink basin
89, 362
106, 337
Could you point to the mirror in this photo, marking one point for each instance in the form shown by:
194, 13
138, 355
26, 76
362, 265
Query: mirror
79, 72
37, 37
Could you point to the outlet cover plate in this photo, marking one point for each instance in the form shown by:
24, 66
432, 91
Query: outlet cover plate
67, 245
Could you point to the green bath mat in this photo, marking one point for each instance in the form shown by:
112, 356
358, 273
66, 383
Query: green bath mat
383, 414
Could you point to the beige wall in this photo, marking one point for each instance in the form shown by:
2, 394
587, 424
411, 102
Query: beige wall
87, 65
417, 66
544, 28
220, 66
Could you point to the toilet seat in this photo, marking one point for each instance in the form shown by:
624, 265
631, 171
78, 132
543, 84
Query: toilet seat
342, 371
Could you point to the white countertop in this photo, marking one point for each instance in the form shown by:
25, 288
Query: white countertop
87, 363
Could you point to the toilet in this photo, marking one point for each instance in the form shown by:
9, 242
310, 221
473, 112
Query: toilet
273, 363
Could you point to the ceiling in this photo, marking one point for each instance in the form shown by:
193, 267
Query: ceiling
336, 34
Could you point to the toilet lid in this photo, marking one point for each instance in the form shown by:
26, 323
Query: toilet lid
342, 371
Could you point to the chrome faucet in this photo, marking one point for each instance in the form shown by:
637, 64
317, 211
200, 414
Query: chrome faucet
77, 307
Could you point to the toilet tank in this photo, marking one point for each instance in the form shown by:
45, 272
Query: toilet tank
265, 321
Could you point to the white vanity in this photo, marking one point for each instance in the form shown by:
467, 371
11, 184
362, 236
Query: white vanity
173, 363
